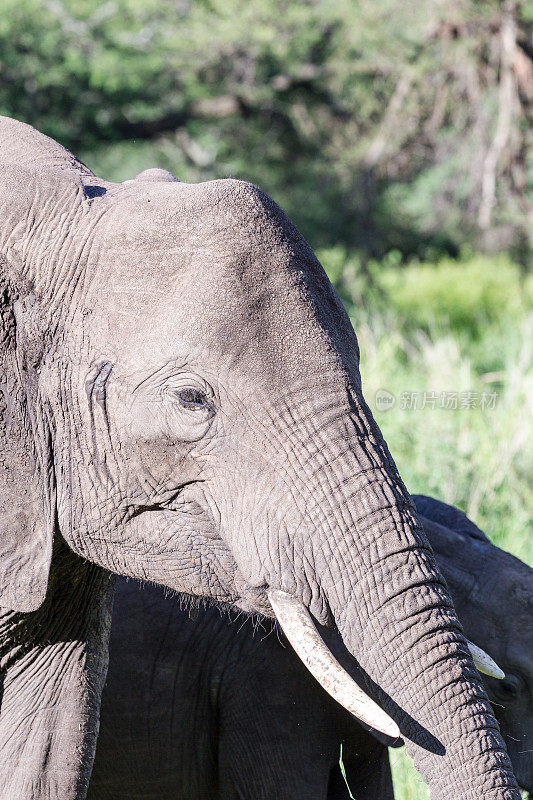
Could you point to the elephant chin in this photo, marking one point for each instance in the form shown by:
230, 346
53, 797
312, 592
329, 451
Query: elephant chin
298, 626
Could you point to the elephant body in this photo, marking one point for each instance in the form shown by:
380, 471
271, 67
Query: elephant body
198, 706
207, 709
181, 403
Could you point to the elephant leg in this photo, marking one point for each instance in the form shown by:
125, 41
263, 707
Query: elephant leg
368, 775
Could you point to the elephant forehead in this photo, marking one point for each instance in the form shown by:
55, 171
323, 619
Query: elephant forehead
215, 215
218, 324
503, 606
220, 231
232, 276
507, 578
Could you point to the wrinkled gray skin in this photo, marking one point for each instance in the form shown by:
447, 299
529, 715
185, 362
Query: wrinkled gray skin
181, 402
493, 594
214, 709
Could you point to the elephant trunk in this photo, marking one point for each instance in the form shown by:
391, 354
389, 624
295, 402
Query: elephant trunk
408, 641
392, 608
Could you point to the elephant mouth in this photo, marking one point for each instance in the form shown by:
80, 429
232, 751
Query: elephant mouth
299, 628
250, 600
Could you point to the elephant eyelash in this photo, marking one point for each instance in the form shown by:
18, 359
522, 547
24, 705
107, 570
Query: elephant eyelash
193, 399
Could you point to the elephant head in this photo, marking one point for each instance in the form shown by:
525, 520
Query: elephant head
183, 404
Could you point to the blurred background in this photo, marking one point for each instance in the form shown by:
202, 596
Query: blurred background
397, 136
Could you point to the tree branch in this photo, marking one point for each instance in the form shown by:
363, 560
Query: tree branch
505, 110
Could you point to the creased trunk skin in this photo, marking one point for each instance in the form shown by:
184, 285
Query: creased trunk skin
395, 615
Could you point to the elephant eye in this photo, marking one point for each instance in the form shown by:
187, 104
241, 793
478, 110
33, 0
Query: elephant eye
508, 688
193, 399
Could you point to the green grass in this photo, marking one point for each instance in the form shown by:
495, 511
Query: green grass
408, 785
475, 457
419, 350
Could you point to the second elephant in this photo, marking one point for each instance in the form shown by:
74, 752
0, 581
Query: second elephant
206, 710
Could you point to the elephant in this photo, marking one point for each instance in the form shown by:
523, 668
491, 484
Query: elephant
199, 706
181, 403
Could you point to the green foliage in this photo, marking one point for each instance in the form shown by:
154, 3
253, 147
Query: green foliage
472, 295
408, 785
467, 295
422, 339
343, 773
473, 456
374, 125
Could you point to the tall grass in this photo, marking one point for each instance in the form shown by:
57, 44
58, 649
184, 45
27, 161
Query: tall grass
426, 332
452, 345
475, 456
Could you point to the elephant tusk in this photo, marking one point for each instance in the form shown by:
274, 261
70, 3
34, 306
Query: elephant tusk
483, 662
298, 626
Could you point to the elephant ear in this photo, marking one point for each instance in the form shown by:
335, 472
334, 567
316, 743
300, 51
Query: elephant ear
34, 170
448, 516
26, 515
